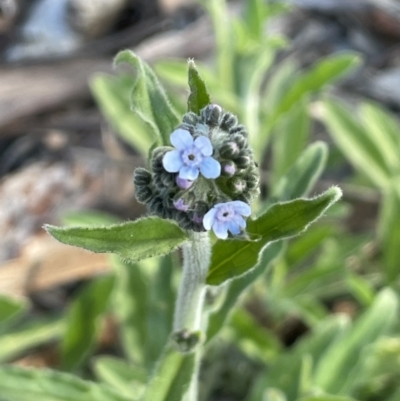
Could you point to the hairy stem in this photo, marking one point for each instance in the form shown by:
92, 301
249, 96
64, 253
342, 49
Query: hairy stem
190, 301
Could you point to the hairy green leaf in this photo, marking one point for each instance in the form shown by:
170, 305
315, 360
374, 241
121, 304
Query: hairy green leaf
133, 240
172, 376
338, 370
237, 287
389, 230
18, 384
304, 173
148, 98
355, 142
112, 94
83, 322
198, 97
232, 258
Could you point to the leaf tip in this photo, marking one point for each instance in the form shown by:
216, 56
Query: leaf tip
335, 193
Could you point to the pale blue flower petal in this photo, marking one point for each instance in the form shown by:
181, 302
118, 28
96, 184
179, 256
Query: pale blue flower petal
204, 145
210, 168
241, 208
220, 230
209, 218
239, 220
181, 139
189, 173
233, 227
172, 161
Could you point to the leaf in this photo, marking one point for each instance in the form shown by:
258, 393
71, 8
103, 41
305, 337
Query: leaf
198, 97
112, 94
285, 373
304, 173
130, 308
389, 230
172, 376
148, 98
10, 309
126, 378
355, 142
133, 240
18, 384
289, 140
88, 218
384, 129
255, 340
83, 322
143, 302
30, 335
323, 72
236, 288
337, 371
326, 398
232, 258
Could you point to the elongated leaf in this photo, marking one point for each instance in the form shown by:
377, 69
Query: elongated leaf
134, 240
285, 373
304, 173
237, 287
323, 72
384, 130
17, 384
233, 258
112, 94
149, 99
255, 340
130, 308
355, 142
389, 230
198, 97
172, 376
338, 369
10, 309
30, 335
289, 140
83, 322
327, 398
126, 378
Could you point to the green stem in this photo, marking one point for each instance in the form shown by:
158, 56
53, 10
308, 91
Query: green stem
190, 301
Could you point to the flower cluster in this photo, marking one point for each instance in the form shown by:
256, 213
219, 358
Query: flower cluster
207, 179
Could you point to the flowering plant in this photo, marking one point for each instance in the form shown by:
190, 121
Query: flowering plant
202, 177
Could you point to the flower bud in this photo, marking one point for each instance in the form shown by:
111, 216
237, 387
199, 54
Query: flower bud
211, 115
228, 168
182, 183
237, 185
141, 176
229, 149
243, 161
190, 118
228, 121
239, 129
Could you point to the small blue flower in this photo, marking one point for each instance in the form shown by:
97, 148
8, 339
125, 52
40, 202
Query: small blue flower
191, 156
227, 216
